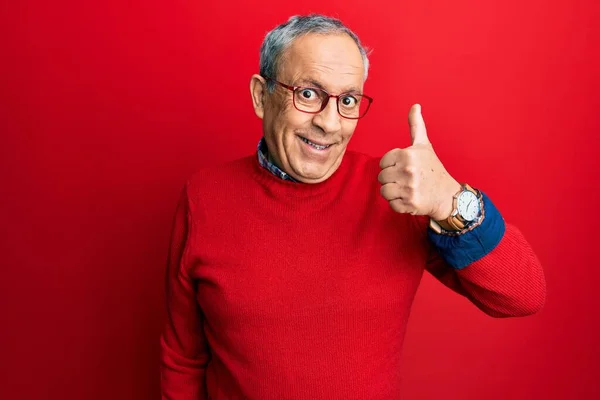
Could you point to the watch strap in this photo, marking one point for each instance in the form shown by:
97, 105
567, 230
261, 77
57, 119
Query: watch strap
455, 222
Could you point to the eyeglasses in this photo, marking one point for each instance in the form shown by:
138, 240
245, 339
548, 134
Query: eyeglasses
314, 100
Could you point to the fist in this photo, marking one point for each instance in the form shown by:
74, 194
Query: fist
413, 180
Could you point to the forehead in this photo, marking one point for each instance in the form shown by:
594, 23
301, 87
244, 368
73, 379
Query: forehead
332, 60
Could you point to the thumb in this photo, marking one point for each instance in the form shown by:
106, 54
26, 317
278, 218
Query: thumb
418, 132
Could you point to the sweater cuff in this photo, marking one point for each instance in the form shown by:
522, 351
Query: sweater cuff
461, 250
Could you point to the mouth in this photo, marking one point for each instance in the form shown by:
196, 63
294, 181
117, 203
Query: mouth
317, 146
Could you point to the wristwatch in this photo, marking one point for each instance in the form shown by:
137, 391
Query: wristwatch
466, 209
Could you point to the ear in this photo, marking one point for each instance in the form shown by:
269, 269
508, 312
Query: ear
258, 90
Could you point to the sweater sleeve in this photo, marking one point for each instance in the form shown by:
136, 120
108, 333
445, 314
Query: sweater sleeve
184, 351
503, 278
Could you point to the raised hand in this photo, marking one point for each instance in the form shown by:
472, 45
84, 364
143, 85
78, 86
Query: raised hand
414, 179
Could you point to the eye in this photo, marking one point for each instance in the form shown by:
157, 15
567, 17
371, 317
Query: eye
308, 94
349, 101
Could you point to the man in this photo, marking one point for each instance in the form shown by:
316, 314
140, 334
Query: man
292, 272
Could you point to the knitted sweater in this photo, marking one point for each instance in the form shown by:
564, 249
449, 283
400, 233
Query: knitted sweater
279, 290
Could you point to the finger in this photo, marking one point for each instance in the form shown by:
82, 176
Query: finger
400, 206
390, 158
418, 132
389, 175
397, 191
391, 191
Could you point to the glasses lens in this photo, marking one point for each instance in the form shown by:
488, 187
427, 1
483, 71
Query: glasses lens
311, 100
353, 105
308, 99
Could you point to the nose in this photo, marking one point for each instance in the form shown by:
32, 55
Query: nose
329, 119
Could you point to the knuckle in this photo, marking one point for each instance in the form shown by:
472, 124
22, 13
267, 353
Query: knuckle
416, 197
411, 185
409, 169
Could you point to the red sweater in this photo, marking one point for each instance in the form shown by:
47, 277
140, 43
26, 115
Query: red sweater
279, 290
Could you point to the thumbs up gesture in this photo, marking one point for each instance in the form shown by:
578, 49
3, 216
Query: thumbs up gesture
413, 179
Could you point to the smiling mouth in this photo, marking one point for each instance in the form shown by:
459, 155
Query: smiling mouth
315, 145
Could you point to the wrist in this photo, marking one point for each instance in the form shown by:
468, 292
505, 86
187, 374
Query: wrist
466, 209
446, 207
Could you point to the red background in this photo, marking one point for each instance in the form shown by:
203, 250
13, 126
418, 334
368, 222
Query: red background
107, 108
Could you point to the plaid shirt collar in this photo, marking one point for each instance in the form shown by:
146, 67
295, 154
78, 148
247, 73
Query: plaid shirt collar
263, 160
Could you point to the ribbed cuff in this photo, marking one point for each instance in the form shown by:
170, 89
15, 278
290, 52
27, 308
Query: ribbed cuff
461, 250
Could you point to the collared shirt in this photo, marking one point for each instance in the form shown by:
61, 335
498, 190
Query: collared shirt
263, 159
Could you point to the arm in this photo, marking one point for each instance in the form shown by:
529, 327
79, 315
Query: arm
184, 351
492, 265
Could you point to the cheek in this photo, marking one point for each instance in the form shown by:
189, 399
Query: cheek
274, 121
292, 120
348, 127
276, 109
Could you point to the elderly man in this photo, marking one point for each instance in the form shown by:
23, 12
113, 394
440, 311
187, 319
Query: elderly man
292, 272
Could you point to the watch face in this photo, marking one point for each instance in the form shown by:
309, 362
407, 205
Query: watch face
468, 205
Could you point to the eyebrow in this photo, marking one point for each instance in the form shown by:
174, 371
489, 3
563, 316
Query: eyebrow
318, 85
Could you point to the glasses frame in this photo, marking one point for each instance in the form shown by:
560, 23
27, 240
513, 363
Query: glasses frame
325, 101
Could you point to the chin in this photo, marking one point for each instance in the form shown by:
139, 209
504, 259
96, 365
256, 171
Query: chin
311, 172
309, 165
312, 179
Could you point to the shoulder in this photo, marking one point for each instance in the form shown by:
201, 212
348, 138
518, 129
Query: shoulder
223, 169
220, 177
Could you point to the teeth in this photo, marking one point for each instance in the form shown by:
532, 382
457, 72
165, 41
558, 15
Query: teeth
316, 146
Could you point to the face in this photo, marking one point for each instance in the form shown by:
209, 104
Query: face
330, 62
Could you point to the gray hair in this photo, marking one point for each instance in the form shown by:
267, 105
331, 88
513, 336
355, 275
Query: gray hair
282, 36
